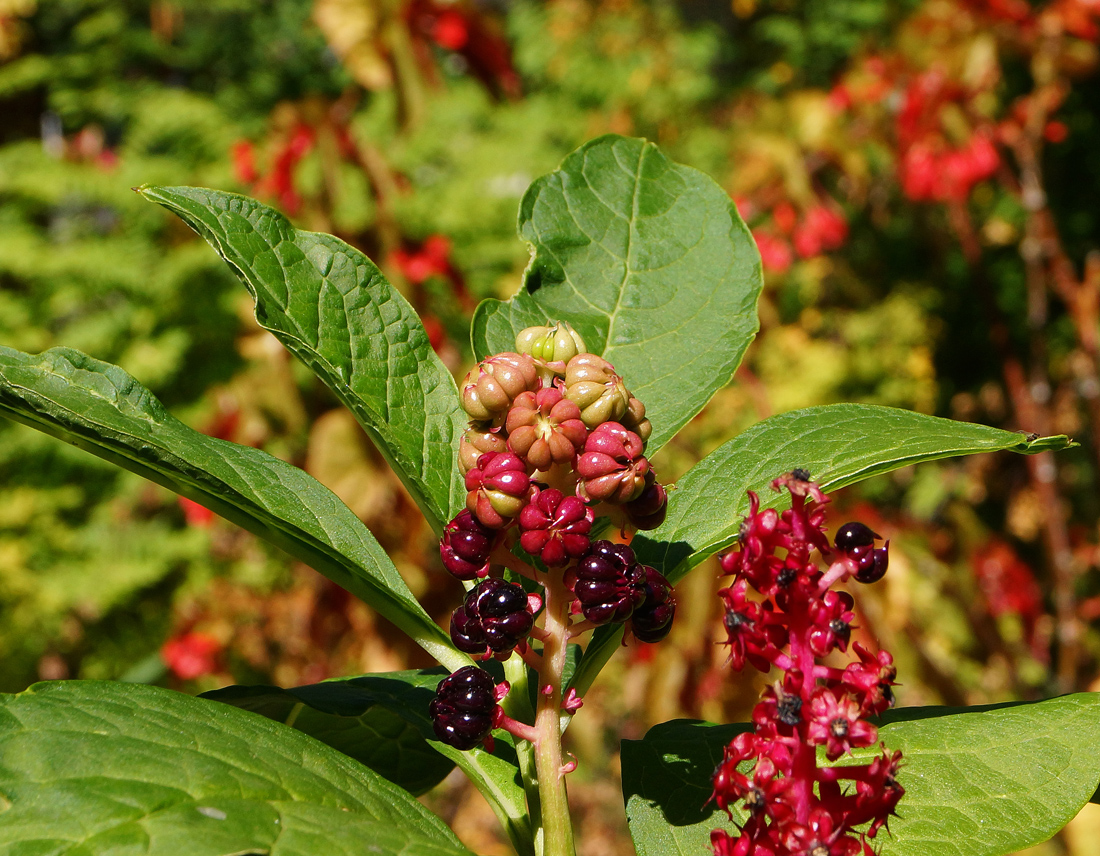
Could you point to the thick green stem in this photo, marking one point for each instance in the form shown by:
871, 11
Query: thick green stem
557, 826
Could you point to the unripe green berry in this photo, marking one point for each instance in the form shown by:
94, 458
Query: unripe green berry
598, 391
556, 343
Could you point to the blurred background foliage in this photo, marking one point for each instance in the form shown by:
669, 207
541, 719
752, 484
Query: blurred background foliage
921, 179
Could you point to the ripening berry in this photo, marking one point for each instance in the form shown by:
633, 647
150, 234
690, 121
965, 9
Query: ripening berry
498, 488
495, 617
612, 467
465, 547
635, 420
544, 428
462, 710
491, 387
555, 527
476, 443
652, 620
608, 583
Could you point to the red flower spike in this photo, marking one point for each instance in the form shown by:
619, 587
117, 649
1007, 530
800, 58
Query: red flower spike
794, 618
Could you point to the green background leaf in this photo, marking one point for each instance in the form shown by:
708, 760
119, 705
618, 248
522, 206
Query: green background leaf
652, 264
96, 767
840, 444
349, 713
367, 718
335, 311
101, 409
979, 781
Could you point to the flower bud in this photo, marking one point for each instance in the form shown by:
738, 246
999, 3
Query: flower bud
491, 387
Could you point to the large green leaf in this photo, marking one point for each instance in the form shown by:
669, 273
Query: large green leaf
366, 718
982, 781
335, 311
98, 767
839, 444
351, 714
100, 408
651, 263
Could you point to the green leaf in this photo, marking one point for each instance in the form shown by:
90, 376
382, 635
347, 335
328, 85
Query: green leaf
356, 717
980, 781
101, 409
98, 767
840, 444
335, 311
650, 261
350, 713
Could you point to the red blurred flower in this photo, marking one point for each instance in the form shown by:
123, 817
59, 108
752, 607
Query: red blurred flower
191, 655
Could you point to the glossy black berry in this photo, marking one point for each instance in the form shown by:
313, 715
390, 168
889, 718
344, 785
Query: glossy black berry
857, 542
608, 582
652, 621
494, 618
851, 536
462, 710
465, 547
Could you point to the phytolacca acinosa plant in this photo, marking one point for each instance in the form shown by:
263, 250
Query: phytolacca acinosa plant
795, 620
556, 441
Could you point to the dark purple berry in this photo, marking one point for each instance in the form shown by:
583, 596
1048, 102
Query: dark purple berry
853, 535
652, 621
649, 509
608, 582
465, 547
857, 542
494, 618
462, 710
875, 569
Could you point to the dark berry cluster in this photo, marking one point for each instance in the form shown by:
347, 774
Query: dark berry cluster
555, 440
464, 709
794, 620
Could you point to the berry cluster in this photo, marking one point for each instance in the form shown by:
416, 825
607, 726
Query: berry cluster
794, 806
555, 441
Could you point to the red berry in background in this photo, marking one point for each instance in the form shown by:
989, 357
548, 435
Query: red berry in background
462, 710
465, 547
450, 30
191, 655
652, 620
196, 515
775, 253
608, 583
555, 527
495, 617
